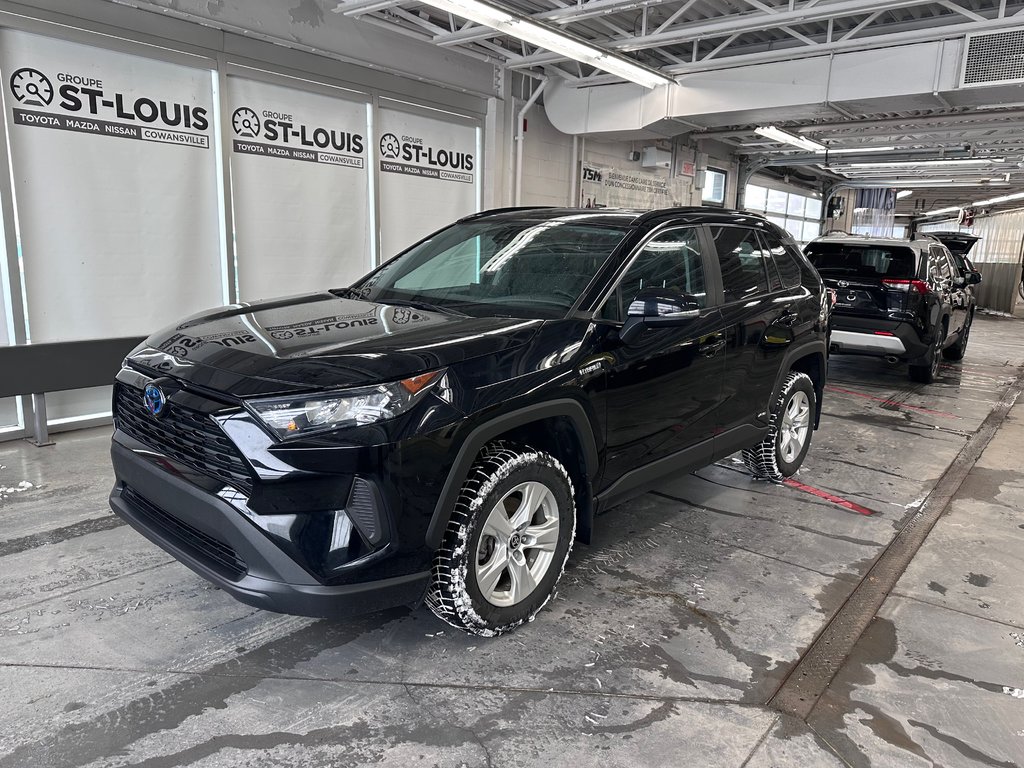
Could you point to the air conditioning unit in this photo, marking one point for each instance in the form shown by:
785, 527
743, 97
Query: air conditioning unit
652, 157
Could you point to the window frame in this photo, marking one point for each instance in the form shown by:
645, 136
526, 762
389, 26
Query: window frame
767, 236
757, 232
712, 278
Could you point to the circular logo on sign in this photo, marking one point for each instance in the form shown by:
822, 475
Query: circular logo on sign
154, 399
30, 86
390, 146
246, 122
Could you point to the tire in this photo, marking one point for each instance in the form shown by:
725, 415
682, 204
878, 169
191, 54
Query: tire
958, 350
783, 449
925, 374
487, 578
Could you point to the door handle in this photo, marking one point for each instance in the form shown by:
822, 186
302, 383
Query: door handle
712, 346
789, 318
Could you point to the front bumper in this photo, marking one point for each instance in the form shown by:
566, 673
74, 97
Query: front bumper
210, 536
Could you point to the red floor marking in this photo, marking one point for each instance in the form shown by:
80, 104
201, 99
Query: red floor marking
827, 496
887, 401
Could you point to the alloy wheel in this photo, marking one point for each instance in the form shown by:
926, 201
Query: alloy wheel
794, 426
517, 544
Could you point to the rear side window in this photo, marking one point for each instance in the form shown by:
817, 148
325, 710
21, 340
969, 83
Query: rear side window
939, 266
846, 260
785, 260
744, 262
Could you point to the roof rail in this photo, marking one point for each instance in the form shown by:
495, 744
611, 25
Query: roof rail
492, 211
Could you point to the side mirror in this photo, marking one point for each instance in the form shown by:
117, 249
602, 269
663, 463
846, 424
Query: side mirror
973, 277
658, 308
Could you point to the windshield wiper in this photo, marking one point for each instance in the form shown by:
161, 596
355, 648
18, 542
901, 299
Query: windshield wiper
362, 294
426, 307
350, 293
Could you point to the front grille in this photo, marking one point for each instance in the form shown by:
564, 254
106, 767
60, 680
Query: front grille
187, 436
216, 554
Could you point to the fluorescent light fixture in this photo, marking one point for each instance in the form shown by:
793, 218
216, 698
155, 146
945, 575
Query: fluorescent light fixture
551, 40
904, 193
858, 150
929, 163
777, 134
940, 211
1003, 199
928, 183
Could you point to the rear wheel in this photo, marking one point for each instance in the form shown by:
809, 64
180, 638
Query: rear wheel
506, 543
926, 373
783, 449
957, 351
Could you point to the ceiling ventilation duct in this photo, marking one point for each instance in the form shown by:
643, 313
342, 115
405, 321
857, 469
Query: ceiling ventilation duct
994, 58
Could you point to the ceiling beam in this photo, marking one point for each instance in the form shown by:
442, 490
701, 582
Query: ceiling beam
974, 114
956, 30
690, 30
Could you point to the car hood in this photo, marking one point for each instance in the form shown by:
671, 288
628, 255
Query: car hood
320, 341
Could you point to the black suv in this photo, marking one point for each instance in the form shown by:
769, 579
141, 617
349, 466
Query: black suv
447, 426
904, 300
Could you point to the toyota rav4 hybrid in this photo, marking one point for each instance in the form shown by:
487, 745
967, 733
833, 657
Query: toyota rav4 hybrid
904, 300
448, 425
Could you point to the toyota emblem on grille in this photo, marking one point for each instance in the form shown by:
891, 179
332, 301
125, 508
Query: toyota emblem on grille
155, 400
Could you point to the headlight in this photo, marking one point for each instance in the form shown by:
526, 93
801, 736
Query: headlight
288, 416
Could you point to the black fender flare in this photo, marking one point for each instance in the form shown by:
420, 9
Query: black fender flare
814, 347
497, 425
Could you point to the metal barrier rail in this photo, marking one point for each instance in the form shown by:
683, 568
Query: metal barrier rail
35, 369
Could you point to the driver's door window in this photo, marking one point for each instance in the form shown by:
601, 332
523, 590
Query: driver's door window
672, 259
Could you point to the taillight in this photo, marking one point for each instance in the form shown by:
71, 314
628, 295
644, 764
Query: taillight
905, 285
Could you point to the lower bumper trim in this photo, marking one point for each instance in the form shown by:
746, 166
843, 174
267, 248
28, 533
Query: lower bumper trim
869, 343
297, 599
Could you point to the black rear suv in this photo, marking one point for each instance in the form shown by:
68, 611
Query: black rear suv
448, 425
904, 300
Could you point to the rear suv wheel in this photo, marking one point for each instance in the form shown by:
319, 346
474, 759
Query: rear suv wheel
507, 541
958, 350
926, 373
783, 449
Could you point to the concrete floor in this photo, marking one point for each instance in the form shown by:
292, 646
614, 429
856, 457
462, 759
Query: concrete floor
669, 634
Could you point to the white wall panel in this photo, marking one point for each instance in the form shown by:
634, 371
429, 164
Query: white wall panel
429, 176
300, 189
548, 164
114, 169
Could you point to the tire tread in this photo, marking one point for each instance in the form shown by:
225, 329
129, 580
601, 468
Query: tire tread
448, 596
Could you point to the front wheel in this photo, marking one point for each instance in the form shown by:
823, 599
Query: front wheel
783, 449
507, 541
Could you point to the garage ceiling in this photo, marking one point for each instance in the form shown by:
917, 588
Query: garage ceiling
681, 37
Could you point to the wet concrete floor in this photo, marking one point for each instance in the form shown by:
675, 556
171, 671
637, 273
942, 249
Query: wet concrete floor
668, 636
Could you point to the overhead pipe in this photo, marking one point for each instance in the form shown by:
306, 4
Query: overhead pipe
521, 137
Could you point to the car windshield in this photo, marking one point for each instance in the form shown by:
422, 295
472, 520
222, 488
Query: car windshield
535, 269
846, 260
